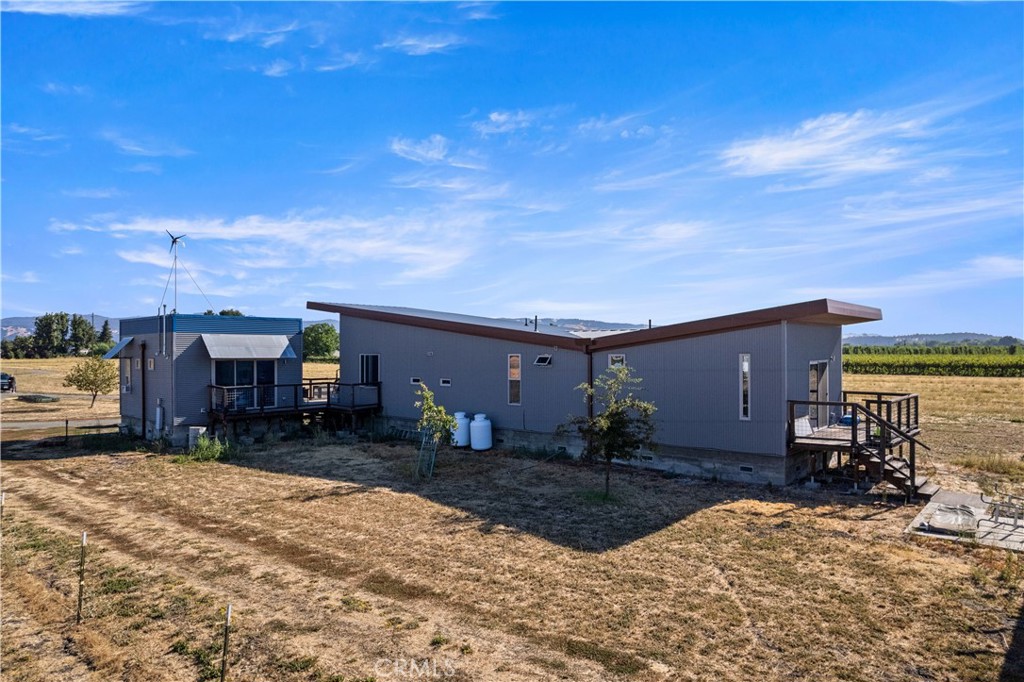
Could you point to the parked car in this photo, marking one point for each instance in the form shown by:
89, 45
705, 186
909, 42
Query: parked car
8, 383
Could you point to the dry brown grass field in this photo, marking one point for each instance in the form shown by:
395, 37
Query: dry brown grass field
341, 567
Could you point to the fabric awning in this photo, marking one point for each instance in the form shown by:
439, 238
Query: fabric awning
248, 347
116, 350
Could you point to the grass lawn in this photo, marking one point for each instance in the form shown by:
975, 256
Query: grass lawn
339, 566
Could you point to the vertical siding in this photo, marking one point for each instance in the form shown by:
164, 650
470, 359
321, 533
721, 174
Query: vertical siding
157, 380
807, 343
194, 367
695, 384
477, 368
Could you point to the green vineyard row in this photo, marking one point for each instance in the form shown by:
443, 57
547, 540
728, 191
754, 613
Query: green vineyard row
936, 365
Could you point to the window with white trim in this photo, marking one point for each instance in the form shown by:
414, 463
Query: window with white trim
616, 359
515, 379
745, 386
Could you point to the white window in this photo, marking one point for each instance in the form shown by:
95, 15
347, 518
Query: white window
515, 379
369, 368
543, 360
745, 386
415, 380
137, 362
126, 375
617, 360
446, 382
150, 363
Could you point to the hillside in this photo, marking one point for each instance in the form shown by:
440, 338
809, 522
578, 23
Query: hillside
923, 339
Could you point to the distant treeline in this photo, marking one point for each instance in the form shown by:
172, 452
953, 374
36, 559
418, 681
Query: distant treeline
958, 349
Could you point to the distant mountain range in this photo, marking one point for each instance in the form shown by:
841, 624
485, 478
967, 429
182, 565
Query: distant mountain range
921, 339
24, 326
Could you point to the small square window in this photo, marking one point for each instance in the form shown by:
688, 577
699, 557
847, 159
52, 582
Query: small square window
415, 380
446, 382
617, 360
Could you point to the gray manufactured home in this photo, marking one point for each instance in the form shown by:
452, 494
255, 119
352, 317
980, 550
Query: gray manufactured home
732, 392
177, 369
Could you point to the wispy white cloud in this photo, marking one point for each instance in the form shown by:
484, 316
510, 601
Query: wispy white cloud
478, 11
71, 251
54, 88
973, 273
34, 134
154, 168
500, 122
26, 277
93, 193
143, 147
419, 46
339, 169
277, 68
425, 245
831, 146
460, 187
345, 61
627, 126
432, 150
255, 32
91, 8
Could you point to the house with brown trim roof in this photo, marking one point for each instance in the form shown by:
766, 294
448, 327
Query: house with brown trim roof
725, 387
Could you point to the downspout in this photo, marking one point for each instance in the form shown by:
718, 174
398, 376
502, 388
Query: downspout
142, 386
590, 396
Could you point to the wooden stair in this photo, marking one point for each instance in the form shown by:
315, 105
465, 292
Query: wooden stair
895, 471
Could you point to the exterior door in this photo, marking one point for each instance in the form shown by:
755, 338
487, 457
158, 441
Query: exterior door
817, 390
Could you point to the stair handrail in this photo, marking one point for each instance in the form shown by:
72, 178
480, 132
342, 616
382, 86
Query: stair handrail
882, 421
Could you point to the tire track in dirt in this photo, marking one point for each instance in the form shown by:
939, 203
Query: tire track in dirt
203, 544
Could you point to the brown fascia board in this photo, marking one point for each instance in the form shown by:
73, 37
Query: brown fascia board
538, 337
821, 311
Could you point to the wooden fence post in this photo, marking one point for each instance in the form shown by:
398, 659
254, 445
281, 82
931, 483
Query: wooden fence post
224, 653
81, 580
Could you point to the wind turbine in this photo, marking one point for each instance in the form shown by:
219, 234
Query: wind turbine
174, 248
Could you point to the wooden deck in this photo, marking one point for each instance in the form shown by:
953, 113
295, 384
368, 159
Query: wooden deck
839, 438
317, 400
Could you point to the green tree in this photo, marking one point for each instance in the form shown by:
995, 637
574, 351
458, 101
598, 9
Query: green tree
622, 426
82, 336
51, 335
93, 375
106, 334
433, 418
18, 347
231, 312
320, 340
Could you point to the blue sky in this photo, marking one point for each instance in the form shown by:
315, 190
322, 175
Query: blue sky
622, 162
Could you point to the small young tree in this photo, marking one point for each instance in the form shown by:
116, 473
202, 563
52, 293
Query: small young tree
434, 420
436, 425
623, 424
320, 340
94, 375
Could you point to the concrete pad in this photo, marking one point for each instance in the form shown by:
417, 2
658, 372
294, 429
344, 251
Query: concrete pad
1005, 534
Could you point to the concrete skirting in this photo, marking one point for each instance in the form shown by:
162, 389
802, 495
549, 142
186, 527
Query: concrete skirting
701, 462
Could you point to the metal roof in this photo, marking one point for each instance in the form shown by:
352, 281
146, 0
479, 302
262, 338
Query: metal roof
116, 350
821, 311
248, 346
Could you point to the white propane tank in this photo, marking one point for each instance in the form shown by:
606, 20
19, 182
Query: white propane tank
480, 432
460, 434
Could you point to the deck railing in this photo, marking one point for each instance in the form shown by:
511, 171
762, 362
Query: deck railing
310, 393
870, 424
